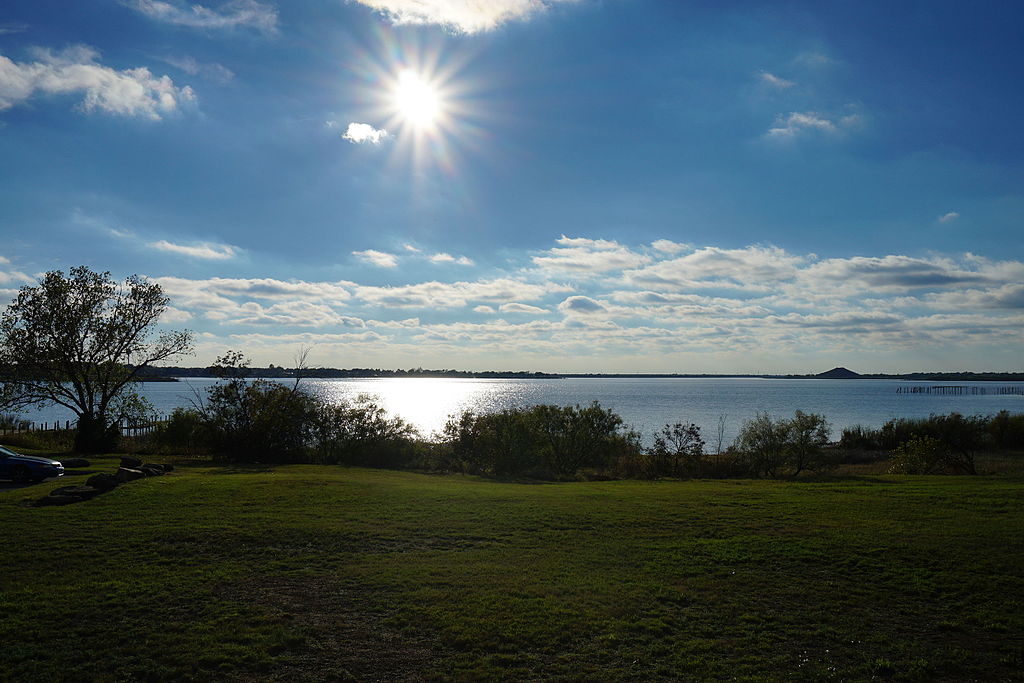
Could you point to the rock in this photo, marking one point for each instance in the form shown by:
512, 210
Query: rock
152, 470
167, 468
130, 462
103, 481
126, 474
74, 462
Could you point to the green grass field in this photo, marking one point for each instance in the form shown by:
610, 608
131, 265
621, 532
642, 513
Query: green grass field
328, 573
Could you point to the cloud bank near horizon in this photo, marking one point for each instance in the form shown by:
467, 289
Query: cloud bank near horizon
597, 304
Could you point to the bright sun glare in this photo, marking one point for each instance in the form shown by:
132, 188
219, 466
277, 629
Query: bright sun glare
416, 100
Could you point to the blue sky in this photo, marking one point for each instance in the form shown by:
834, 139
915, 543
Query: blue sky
584, 185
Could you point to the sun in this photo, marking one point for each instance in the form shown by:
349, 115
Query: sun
416, 100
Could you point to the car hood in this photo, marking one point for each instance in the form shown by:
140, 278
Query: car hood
34, 458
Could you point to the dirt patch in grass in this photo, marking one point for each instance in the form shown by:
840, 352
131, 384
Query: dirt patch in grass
339, 631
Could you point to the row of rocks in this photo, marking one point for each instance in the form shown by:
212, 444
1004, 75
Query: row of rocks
131, 469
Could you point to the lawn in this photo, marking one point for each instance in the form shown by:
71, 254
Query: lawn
330, 573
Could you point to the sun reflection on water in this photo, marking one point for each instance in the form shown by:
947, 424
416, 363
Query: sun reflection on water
427, 403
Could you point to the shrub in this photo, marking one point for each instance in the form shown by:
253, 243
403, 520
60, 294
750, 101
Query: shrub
919, 455
961, 436
184, 432
772, 448
1006, 431
858, 438
544, 439
361, 434
678, 451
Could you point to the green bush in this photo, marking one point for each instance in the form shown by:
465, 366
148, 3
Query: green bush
1006, 431
543, 440
919, 455
961, 436
678, 451
362, 434
773, 448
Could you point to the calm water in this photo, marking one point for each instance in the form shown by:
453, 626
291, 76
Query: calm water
646, 404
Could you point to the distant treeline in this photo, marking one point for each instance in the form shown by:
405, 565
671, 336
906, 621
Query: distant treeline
274, 371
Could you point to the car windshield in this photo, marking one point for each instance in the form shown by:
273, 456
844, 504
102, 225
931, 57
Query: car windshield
4, 453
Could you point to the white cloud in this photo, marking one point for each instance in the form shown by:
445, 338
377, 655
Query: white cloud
949, 217
203, 250
669, 247
377, 258
247, 13
581, 305
789, 126
522, 308
483, 309
582, 255
466, 16
10, 27
218, 73
752, 268
172, 316
448, 258
439, 295
409, 247
776, 81
129, 92
359, 133
294, 313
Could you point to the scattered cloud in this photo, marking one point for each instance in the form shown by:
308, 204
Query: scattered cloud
233, 14
581, 255
794, 123
211, 71
447, 295
129, 92
203, 250
483, 309
409, 247
464, 16
522, 308
949, 217
754, 268
669, 247
448, 258
359, 133
776, 81
581, 304
377, 258
9, 27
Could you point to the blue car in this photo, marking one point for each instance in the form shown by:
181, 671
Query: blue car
26, 468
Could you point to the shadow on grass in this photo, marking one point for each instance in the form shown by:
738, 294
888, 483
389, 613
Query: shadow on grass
243, 468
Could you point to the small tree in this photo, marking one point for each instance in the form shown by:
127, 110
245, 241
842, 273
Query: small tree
762, 441
806, 438
678, 450
79, 340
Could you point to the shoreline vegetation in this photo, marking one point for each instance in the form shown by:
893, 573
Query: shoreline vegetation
173, 373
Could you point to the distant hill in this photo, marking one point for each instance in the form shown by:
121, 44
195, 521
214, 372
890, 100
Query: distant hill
838, 373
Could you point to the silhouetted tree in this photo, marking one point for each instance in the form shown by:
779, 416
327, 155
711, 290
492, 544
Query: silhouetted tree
78, 340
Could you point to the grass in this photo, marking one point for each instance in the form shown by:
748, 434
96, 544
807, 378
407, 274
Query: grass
329, 573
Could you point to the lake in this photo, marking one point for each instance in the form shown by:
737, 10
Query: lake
646, 403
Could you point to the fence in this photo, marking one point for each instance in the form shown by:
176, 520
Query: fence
958, 390
127, 428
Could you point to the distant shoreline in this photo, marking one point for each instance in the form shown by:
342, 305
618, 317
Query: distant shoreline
158, 374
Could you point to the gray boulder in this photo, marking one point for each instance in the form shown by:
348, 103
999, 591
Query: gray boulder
126, 474
130, 462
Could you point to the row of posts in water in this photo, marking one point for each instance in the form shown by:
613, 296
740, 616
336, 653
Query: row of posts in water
957, 390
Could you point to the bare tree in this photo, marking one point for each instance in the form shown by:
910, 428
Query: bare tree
80, 340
